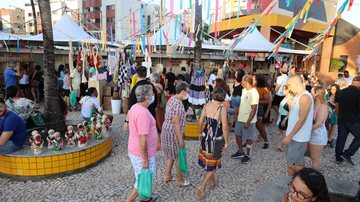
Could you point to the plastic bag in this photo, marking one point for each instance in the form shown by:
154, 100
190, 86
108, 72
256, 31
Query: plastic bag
144, 183
38, 118
182, 160
72, 97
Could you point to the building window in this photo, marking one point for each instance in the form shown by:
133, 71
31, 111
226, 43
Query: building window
110, 7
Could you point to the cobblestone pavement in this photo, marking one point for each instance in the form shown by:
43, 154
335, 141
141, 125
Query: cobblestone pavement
113, 178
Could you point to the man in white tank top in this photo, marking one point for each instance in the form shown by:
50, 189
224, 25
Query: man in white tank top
299, 125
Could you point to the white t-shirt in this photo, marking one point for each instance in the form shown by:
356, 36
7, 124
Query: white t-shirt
24, 79
85, 108
76, 79
248, 98
349, 80
211, 80
281, 80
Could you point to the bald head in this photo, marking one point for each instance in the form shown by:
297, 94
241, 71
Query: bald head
295, 84
247, 81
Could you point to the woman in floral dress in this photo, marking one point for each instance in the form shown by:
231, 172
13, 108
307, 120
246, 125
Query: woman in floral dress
172, 133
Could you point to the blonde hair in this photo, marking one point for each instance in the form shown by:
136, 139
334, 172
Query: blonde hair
320, 93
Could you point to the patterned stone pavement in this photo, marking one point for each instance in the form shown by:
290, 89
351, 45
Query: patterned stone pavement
113, 178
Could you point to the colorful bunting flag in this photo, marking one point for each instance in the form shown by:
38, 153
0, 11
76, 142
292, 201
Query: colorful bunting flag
248, 7
216, 17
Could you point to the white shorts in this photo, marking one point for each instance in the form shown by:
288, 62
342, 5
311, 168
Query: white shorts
136, 162
319, 136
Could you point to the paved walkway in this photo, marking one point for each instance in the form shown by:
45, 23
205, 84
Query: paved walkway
113, 178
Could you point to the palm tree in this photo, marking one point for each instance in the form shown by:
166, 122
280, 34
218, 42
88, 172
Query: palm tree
53, 114
34, 16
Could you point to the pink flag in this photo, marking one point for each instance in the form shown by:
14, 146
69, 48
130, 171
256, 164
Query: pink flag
248, 8
171, 9
216, 17
134, 23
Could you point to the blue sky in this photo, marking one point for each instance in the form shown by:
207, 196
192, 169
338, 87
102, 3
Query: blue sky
353, 16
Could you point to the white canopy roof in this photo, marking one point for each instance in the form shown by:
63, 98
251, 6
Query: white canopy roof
167, 32
6, 36
66, 30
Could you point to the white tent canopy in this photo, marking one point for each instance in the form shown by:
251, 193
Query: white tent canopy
6, 36
171, 34
66, 30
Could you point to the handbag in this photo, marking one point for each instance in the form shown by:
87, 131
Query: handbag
218, 142
182, 160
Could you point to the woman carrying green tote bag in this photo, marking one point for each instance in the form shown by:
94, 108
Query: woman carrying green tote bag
145, 183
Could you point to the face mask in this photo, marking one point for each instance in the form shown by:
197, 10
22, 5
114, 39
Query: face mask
152, 100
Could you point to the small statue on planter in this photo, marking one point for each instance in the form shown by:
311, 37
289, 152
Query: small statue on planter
107, 121
70, 137
93, 126
58, 142
92, 110
50, 138
36, 142
98, 132
87, 129
81, 136
100, 114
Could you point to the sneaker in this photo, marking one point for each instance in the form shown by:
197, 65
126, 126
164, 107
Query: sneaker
237, 155
151, 199
347, 159
339, 160
266, 145
245, 159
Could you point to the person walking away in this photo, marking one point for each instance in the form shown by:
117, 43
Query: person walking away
186, 75
60, 75
88, 103
66, 88
170, 81
13, 130
348, 111
10, 75
172, 135
142, 137
160, 108
299, 125
212, 79
264, 107
334, 89
318, 138
216, 128
36, 83
24, 81
236, 95
280, 84
75, 81
284, 109
245, 125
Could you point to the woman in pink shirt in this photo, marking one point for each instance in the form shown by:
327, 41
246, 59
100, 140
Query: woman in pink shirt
142, 136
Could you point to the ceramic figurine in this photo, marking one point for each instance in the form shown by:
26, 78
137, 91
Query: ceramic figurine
92, 110
81, 136
70, 137
87, 129
100, 113
36, 142
50, 138
107, 121
93, 126
98, 132
58, 142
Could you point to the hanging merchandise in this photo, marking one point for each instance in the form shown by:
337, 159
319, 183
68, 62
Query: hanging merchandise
142, 24
112, 62
103, 40
111, 35
124, 69
71, 56
197, 95
238, 11
148, 46
147, 63
209, 27
79, 60
143, 44
208, 9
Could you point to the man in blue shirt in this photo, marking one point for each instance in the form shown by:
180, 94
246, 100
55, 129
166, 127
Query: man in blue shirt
10, 74
12, 130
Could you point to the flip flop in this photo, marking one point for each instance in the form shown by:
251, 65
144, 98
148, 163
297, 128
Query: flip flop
185, 184
279, 150
213, 186
169, 180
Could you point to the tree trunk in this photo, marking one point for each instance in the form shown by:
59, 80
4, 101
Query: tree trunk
34, 16
52, 110
198, 21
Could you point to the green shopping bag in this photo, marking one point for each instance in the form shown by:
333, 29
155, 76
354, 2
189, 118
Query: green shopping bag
182, 160
144, 183
72, 97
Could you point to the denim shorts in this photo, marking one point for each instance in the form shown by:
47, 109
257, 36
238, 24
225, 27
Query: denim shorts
319, 136
235, 101
9, 147
247, 134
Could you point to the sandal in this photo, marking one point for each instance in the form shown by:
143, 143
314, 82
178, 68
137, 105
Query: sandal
168, 179
279, 150
199, 194
185, 184
213, 186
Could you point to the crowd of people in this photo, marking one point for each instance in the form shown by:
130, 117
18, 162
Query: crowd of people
306, 112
